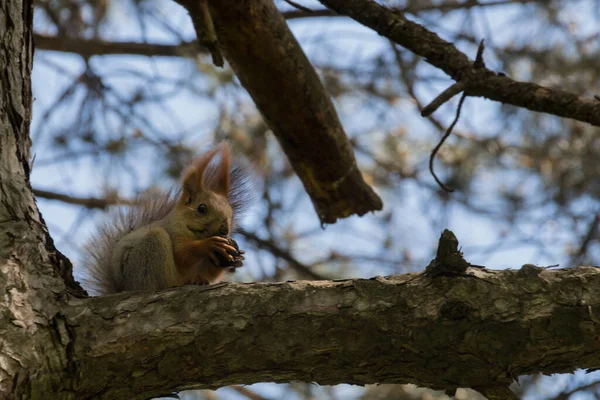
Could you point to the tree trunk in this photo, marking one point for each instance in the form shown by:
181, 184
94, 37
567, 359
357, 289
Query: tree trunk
33, 350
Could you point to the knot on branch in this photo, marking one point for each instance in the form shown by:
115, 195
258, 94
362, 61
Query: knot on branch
530, 270
449, 259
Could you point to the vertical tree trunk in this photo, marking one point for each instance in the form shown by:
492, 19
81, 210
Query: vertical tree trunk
34, 341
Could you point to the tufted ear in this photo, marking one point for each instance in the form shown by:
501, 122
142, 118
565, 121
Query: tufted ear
216, 179
193, 176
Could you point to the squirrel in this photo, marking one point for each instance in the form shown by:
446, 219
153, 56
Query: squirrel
176, 237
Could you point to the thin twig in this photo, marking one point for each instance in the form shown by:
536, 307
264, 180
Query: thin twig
298, 6
249, 394
479, 63
443, 98
439, 145
481, 82
88, 202
209, 36
205, 29
565, 395
589, 237
282, 254
456, 88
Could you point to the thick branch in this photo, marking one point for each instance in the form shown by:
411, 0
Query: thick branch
480, 329
445, 56
270, 64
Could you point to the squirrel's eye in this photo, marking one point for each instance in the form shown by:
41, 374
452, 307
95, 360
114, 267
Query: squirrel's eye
202, 209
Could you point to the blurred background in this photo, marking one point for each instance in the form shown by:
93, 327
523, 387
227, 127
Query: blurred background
125, 97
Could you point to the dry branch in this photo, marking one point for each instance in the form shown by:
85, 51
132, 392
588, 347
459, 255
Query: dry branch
88, 202
480, 82
203, 24
270, 64
93, 47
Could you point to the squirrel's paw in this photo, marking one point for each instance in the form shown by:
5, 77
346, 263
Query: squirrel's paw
236, 259
219, 250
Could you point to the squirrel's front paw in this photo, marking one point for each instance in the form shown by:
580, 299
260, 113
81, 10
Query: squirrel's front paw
235, 258
218, 248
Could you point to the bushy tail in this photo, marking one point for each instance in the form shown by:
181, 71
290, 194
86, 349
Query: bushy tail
102, 276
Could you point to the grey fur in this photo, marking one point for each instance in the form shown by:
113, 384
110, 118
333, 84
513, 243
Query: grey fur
153, 250
104, 277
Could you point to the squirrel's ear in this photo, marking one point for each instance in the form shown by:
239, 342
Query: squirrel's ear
193, 177
217, 178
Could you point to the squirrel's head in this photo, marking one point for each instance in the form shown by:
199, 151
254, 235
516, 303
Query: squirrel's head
204, 204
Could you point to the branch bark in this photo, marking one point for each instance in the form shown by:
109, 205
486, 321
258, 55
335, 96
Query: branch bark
480, 82
293, 101
480, 329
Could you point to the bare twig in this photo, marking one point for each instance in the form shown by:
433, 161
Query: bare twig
249, 394
413, 8
481, 82
283, 254
299, 6
479, 63
443, 98
89, 202
566, 395
439, 145
93, 47
205, 28
592, 234
209, 37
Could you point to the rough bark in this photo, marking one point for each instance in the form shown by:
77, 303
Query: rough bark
478, 81
33, 353
478, 329
293, 101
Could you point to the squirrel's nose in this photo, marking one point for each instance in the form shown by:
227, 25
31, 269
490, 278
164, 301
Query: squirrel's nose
224, 230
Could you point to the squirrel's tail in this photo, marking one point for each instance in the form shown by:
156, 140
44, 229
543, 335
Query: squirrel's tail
241, 190
102, 276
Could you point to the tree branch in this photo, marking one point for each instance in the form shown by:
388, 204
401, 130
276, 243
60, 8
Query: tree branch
92, 47
478, 329
270, 64
445, 56
88, 202
415, 7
